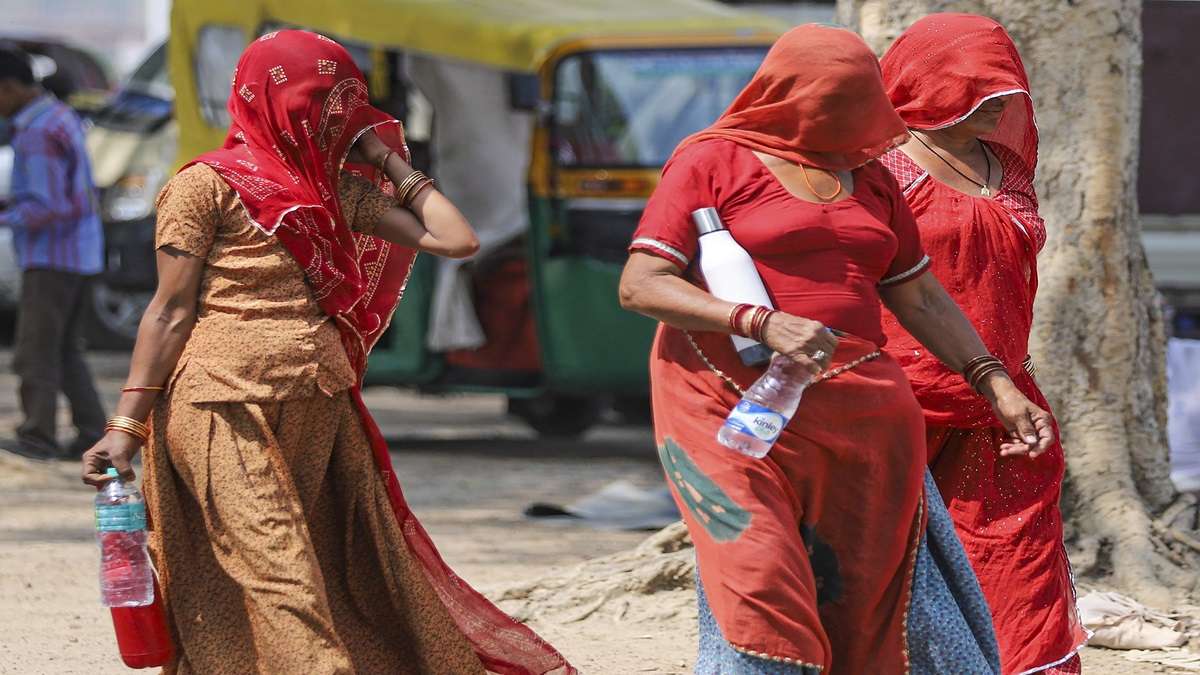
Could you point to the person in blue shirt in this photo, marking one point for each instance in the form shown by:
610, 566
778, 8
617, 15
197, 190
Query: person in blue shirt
59, 244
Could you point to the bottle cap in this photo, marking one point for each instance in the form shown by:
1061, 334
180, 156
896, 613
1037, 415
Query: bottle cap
112, 472
707, 220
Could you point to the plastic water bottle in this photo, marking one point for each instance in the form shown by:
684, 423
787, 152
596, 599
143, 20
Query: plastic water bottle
126, 576
756, 422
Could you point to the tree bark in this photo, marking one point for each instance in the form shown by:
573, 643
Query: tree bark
1099, 338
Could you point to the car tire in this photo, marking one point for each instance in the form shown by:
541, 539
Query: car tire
112, 316
555, 416
634, 410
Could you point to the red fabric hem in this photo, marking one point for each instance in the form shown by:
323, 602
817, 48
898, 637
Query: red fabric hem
659, 253
504, 645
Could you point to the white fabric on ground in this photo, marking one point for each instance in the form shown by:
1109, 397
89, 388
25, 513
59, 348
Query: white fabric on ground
1120, 622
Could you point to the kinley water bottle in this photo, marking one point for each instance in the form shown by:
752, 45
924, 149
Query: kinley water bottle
756, 422
126, 576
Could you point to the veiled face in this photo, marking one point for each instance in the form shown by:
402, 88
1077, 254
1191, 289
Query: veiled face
985, 119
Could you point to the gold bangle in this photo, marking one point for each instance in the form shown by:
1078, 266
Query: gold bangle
126, 424
975, 362
382, 166
978, 373
126, 390
984, 372
1030, 367
406, 186
130, 426
416, 192
121, 419
411, 186
130, 432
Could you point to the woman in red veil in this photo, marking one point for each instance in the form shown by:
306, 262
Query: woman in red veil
281, 537
833, 554
967, 173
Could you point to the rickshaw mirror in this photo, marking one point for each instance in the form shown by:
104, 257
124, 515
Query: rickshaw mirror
524, 91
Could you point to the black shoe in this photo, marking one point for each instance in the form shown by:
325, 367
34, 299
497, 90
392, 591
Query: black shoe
31, 452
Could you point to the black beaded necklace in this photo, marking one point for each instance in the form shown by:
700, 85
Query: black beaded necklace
983, 187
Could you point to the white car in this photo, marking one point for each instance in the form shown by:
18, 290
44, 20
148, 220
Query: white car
10, 276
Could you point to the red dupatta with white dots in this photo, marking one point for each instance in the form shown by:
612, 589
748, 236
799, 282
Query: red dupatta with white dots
984, 251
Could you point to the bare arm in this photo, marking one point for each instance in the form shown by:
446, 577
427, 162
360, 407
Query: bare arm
164, 331
431, 223
931, 315
927, 311
655, 287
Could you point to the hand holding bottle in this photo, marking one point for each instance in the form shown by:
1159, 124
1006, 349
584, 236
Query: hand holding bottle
115, 449
805, 342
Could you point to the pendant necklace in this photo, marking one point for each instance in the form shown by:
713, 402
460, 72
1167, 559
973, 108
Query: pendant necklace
984, 190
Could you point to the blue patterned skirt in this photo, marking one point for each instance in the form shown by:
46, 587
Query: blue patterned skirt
949, 625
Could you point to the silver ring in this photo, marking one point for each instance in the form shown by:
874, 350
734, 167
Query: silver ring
818, 355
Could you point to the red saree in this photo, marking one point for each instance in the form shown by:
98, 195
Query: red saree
984, 251
806, 556
299, 103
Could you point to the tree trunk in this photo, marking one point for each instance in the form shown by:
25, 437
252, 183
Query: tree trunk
1099, 338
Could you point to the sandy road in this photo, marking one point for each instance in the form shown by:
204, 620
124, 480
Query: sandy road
468, 471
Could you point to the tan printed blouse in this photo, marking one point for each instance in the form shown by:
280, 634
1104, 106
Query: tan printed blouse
259, 333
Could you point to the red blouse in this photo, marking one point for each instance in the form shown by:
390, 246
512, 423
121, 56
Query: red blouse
821, 261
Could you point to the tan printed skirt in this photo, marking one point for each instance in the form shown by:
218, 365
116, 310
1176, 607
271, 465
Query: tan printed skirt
278, 550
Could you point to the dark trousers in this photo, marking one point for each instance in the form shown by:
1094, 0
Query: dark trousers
48, 357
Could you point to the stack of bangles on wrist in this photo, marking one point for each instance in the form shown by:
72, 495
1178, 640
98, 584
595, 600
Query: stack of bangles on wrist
979, 368
128, 425
749, 321
410, 187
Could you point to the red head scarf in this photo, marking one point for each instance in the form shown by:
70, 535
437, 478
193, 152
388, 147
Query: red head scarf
299, 103
817, 99
940, 70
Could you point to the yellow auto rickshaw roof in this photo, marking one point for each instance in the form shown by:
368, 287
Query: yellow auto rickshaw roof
513, 35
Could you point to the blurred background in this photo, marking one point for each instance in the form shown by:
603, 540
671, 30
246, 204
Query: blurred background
512, 383
522, 317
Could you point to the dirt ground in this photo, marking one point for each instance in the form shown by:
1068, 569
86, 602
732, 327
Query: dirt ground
467, 470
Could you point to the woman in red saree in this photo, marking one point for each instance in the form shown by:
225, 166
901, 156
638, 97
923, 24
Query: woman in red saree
826, 555
967, 173
281, 537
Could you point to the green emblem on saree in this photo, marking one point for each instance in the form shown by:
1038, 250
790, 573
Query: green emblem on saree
721, 517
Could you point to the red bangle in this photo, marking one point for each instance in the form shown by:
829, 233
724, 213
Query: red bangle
735, 318
756, 322
749, 323
761, 327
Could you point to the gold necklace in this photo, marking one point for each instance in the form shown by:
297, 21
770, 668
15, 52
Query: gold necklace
818, 195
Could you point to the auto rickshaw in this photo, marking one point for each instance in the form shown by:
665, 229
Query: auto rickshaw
548, 124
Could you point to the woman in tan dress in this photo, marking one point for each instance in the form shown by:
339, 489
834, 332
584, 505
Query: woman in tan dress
281, 537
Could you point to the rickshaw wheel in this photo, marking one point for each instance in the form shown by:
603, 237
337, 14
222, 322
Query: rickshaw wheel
557, 416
